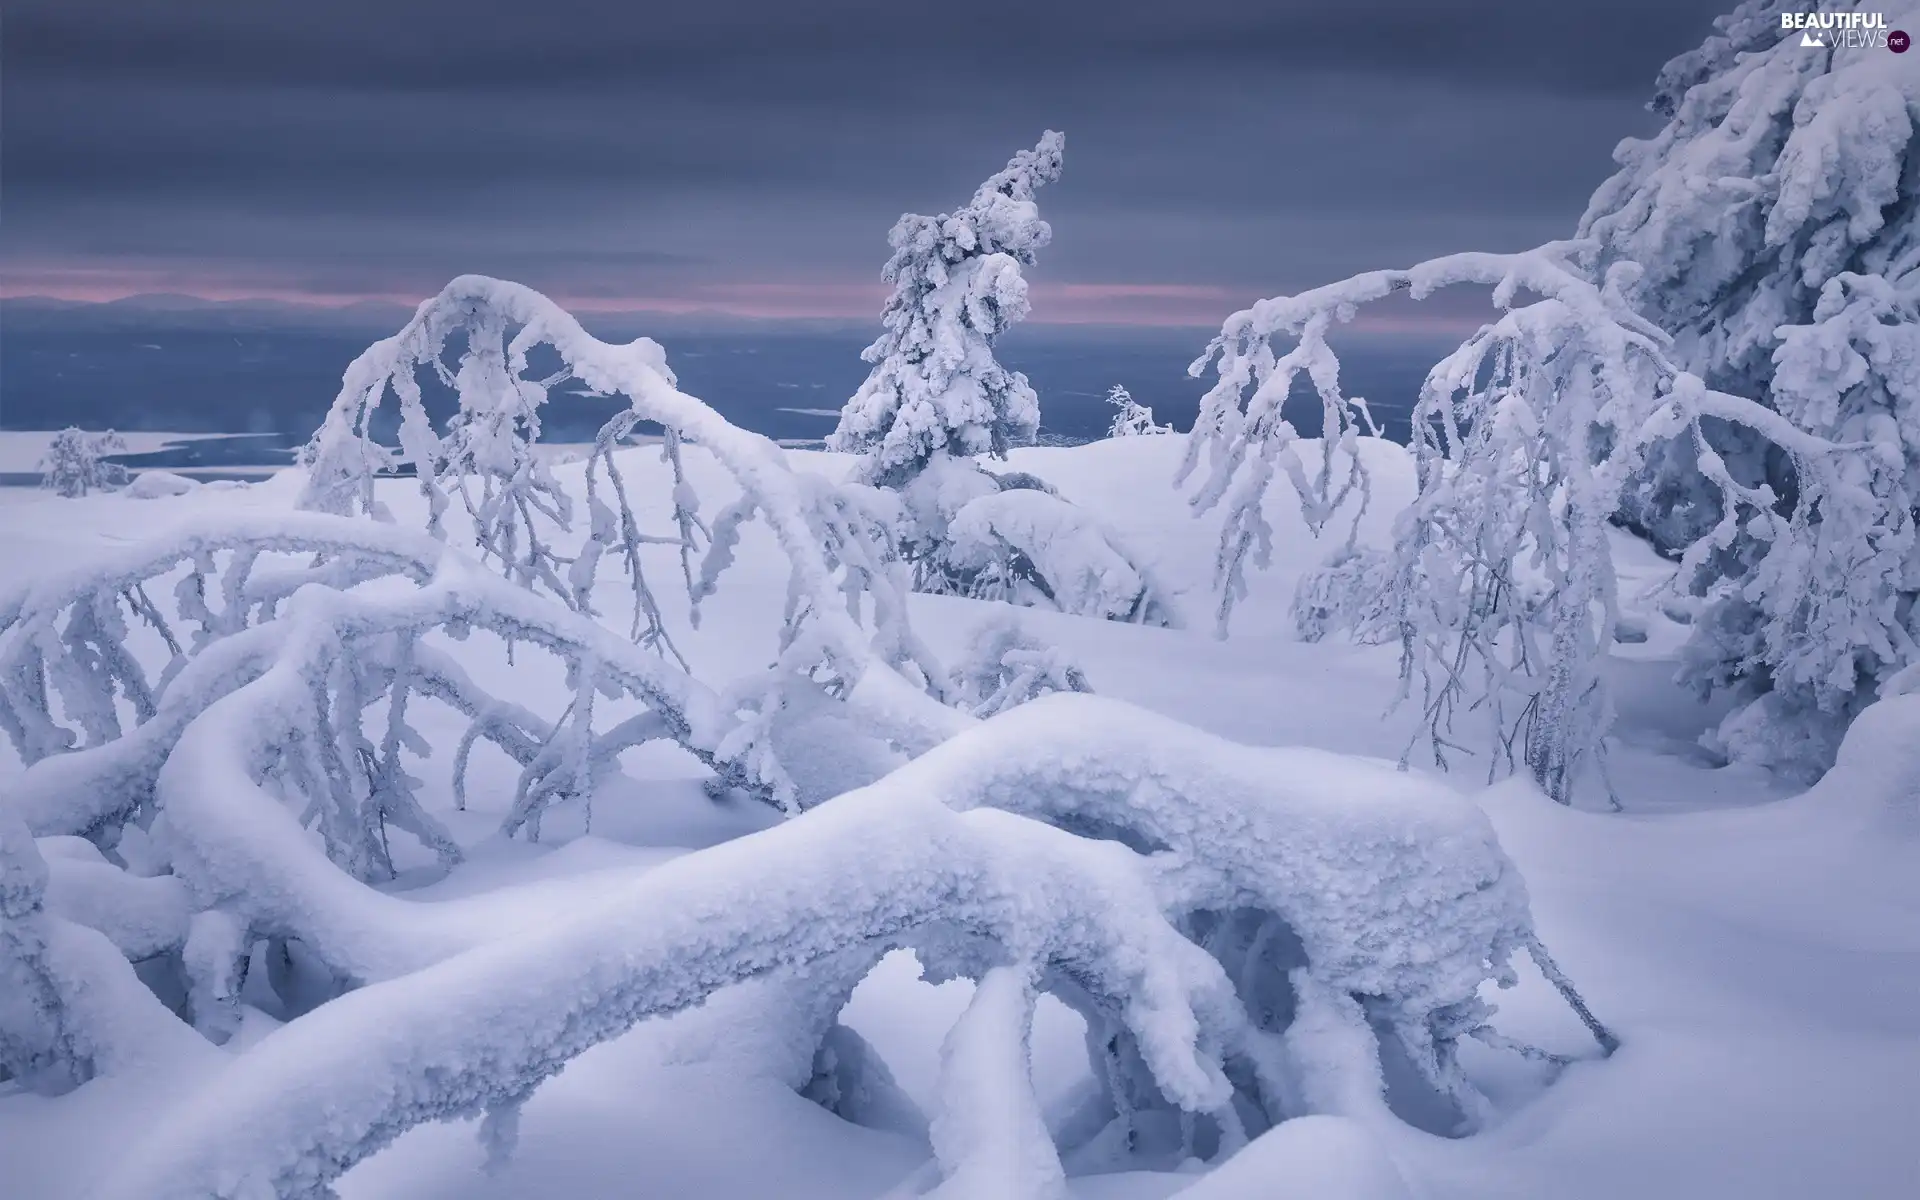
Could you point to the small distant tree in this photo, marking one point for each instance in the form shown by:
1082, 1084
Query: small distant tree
1134, 418
75, 463
936, 388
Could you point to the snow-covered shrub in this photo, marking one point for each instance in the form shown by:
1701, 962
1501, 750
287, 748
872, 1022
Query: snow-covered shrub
936, 388
1134, 418
1036, 549
1504, 591
76, 463
1351, 593
1003, 665
1776, 219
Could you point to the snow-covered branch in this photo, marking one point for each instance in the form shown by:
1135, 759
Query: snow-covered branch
489, 1025
1523, 441
838, 574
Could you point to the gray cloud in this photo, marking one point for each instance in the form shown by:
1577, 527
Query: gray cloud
608, 149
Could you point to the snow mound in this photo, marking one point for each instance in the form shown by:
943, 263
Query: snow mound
1043, 549
154, 485
1322, 1158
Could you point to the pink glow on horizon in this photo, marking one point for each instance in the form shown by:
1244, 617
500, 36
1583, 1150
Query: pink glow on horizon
1165, 305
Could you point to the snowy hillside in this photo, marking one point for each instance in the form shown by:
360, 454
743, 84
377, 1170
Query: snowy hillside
1526, 810
1755, 956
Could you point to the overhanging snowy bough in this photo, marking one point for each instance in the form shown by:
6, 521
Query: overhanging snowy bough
482, 1029
1501, 583
1347, 901
841, 573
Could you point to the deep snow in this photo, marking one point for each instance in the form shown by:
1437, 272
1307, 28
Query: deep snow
1757, 953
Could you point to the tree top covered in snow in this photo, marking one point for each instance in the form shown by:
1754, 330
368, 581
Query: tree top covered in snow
957, 284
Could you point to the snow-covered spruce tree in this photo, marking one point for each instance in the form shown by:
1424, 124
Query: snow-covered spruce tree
936, 388
1503, 589
75, 463
1133, 418
1777, 215
937, 398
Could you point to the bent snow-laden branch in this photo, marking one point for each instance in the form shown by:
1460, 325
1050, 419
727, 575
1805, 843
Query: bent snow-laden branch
1523, 440
888, 669
318, 660
487, 1026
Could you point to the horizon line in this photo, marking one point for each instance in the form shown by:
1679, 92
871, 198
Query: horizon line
1144, 305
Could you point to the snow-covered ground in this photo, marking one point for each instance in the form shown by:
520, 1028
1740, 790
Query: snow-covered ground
1757, 953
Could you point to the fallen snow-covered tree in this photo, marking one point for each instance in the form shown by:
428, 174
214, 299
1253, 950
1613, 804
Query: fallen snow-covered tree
1503, 586
221, 819
1252, 935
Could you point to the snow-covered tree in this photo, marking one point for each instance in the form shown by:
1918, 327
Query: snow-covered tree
1503, 591
847, 621
1778, 221
936, 388
1004, 665
220, 731
937, 397
1255, 973
76, 462
1133, 418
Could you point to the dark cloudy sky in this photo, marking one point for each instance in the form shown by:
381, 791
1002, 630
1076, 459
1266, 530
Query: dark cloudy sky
750, 155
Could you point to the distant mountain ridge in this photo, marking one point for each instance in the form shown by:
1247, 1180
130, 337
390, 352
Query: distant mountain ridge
160, 310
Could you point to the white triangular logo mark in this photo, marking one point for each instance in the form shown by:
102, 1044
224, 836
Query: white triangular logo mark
1812, 39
